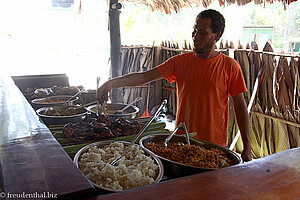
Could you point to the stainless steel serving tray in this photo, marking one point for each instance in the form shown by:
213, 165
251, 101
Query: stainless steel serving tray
175, 169
107, 142
58, 120
112, 107
40, 102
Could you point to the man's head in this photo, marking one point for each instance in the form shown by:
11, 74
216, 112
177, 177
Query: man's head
217, 20
208, 29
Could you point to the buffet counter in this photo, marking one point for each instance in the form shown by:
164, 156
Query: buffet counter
32, 162
274, 177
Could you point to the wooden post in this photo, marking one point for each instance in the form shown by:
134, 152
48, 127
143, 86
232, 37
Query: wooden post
158, 84
115, 47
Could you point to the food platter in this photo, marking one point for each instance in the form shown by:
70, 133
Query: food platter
53, 101
101, 144
130, 113
102, 127
72, 143
175, 169
50, 119
36, 93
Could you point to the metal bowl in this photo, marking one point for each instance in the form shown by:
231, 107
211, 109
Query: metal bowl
130, 113
175, 169
107, 142
55, 101
56, 120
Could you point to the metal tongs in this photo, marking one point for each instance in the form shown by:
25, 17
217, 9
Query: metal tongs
114, 162
180, 126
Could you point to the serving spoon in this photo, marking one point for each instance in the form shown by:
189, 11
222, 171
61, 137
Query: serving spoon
81, 106
126, 107
73, 96
114, 162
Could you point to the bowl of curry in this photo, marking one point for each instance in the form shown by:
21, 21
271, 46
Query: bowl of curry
180, 159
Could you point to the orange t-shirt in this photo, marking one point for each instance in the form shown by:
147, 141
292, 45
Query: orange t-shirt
203, 88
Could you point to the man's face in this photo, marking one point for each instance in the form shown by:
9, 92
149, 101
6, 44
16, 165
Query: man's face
203, 37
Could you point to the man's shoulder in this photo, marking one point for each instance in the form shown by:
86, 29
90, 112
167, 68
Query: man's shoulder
224, 56
229, 60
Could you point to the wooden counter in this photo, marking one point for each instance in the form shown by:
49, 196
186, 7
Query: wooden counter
32, 161
274, 177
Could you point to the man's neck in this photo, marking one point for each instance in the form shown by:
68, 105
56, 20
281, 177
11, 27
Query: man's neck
208, 55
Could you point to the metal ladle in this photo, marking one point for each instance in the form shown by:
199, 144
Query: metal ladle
114, 162
180, 126
101, 108
126, 107
73, 96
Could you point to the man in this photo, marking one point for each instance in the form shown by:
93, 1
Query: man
205, 79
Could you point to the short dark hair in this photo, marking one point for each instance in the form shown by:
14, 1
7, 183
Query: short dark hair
217, 20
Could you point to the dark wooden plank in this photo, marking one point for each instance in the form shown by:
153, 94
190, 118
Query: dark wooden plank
274, 177
38, 164
41, 81
31, 160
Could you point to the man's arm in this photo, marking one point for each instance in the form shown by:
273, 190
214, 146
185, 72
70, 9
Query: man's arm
132, 79
242, 118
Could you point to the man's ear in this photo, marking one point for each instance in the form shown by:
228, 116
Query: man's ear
218, 36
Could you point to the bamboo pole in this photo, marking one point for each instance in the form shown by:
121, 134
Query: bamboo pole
277, 118
269, 53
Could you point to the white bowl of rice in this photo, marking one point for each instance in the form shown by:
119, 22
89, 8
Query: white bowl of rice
137, 168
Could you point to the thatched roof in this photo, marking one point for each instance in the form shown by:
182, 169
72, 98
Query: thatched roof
169, 6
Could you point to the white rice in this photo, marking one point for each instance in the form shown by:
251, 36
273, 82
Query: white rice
133, 170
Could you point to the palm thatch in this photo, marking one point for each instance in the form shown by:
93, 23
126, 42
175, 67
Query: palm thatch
168, 6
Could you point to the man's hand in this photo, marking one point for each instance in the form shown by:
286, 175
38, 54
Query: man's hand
102, 92
133, 79
246, 155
